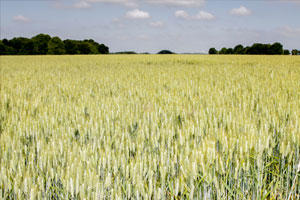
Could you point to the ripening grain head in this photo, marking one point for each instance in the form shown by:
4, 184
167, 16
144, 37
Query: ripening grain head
93, 127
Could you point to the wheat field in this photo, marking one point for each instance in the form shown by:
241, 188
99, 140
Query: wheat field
150, 127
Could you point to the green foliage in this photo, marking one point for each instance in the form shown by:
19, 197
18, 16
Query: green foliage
5, 49
42, 44
165, 52
213, 51
102, 49
276, 49
229, 51
286, 52
295, 52
125, 52
2, 48
238, 49
256, 49
223, 51
56, 46
17, 46
71, 47
85, 48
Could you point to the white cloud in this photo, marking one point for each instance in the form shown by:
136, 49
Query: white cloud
82, 4
188, 3
129, 3
157, 24
181, 14
135, 3
241, 11
137, 14
21, 18
204, 16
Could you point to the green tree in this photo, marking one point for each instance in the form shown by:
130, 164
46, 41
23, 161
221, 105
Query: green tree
2, 48
5, 42
165, 52
6, 49
102, 49
295, 52
238, 49
256, 49
223, 51
27, 46
276, 48
286, 52
16, 45
260, 49
56, 46
93, 46
125, 52
229, 51
84, 48
212, 51
41, 43
71, 46
44, 44
96, 48
21, 46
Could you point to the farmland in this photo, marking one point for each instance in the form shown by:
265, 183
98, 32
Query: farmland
149, 126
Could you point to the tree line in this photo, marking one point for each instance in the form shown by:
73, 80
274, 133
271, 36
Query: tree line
255, 49
43, 44
133, 52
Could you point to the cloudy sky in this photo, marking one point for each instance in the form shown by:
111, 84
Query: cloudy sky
152, 25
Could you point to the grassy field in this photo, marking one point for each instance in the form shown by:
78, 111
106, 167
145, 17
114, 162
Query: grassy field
150, 126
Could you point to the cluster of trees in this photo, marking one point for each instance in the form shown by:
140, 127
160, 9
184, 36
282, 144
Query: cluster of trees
42, 44
165, 52
133, 52
295, 52
126, 52
255, 49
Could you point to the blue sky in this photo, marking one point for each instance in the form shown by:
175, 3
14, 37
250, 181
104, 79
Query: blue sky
152, 25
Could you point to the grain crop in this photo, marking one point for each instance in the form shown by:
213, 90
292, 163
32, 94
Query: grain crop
150, 127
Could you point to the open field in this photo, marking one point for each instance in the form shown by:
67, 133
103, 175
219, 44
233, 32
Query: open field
149, 126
